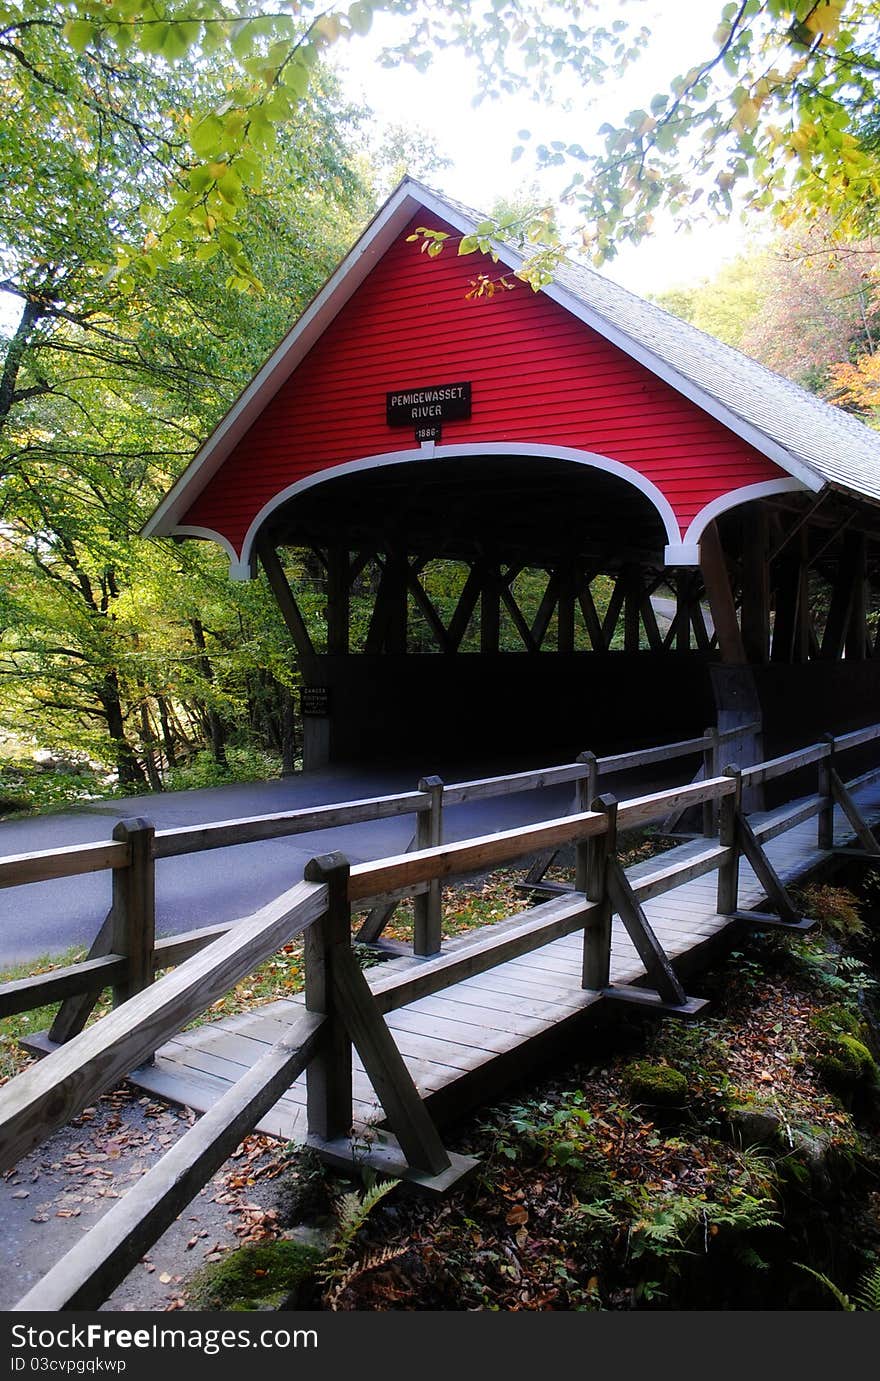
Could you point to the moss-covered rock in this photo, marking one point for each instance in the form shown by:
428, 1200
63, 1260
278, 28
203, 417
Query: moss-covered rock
658, 1085
844, 1063
265, 1275
754, 1124
838, 1020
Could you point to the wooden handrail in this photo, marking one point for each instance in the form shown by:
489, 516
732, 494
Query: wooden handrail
45, 864
641, 810
186, 839
470, 855
788, 762
854, 739
48, 1094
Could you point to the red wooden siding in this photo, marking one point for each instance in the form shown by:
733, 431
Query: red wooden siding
539, 375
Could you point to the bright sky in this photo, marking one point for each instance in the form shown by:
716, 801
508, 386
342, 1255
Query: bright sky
479, 142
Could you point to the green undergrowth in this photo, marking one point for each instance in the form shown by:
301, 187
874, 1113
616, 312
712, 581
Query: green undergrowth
28, 789
15, 1028
684, 1166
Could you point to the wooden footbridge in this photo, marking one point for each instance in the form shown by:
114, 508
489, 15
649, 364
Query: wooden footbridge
411, 1042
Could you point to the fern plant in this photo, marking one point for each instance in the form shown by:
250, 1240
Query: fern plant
352, 1211
865, 1299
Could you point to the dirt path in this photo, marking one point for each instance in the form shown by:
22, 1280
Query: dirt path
63, 1188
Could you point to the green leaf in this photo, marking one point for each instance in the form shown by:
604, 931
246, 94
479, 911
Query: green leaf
467, 244
296, 78
79, 34
360, 17
229, 186
262, 134
206, 136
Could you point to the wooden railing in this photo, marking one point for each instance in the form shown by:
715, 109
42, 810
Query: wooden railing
343, 1009
126, 955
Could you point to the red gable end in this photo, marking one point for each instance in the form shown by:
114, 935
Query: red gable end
540, 376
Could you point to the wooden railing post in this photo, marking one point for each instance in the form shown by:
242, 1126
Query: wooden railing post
328, 1079
586, 789
825, 833
710, 770
133, 913
129, 929
728, 836
428, 906
597, 933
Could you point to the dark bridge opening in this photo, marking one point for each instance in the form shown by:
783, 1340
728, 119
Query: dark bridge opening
502, 607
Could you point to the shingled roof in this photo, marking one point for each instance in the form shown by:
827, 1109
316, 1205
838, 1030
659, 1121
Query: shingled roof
836, 446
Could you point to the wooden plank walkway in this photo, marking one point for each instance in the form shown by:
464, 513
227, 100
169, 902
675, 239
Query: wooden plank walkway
490, 1022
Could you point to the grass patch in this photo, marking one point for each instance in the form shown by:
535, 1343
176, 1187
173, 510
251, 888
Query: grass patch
12, 1029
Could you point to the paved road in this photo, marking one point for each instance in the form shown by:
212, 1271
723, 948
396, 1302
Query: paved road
224, 884
220, 885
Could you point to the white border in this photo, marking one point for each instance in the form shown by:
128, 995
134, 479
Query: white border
439, 453
210, 535
733, 499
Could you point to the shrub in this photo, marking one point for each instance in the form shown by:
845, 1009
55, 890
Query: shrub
836, 907
838, 1020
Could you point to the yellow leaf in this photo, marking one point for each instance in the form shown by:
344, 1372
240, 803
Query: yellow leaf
825, 19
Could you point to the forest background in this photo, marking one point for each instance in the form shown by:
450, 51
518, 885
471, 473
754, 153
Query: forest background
178, 179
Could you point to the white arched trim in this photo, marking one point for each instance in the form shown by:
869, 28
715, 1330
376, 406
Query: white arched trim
209, 535
430, 452
734, 498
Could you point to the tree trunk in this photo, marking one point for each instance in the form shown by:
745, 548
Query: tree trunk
216, 728
288, 733
130, 771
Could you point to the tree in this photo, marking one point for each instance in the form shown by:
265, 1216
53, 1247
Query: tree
135, 652
725, 306
802, 305
780, 114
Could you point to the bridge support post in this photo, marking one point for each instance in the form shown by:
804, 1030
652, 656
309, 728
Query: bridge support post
328, 1080
593, 858
728, 873
825, 834
428, 906
710, 769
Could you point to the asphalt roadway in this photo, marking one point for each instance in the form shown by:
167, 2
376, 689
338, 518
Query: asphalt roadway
220, 885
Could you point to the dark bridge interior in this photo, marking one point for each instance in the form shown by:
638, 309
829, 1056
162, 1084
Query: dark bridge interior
537, 510
517, 607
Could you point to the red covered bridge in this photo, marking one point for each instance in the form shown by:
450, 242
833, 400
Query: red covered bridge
570, 434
